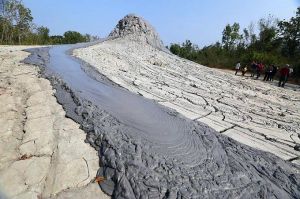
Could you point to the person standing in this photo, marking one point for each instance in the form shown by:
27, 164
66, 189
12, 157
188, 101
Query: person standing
253, 68
270, 72
237, 67
244, 70
291, 70
274, 71
284, 72
260, 67
267, 73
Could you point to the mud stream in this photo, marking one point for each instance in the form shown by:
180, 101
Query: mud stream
150, 120
149, 151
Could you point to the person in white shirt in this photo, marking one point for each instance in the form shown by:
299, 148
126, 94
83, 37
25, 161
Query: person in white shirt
291, 70
237, 67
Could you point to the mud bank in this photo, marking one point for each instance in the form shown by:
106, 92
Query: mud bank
42, 153
255, 113
149, 151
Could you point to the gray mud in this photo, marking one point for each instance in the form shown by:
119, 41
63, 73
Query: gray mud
149, 151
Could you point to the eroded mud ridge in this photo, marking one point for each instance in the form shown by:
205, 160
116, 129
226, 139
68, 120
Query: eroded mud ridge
148, 151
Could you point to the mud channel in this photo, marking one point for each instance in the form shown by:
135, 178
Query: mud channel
149, 151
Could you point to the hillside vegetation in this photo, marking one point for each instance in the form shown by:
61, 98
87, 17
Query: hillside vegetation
17, 28
272, 41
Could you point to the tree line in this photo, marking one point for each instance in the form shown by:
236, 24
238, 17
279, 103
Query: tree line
271, 41
17, 28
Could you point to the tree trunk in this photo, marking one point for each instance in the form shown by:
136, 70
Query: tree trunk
2, 35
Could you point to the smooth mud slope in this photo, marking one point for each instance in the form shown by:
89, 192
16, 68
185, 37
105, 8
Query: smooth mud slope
149, 151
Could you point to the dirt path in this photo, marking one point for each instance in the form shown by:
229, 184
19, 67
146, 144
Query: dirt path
42, 153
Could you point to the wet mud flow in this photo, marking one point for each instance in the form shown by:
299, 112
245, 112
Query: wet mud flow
149, 151
133, 110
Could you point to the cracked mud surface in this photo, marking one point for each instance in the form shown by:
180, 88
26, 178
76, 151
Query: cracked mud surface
193, 162
42, 153
252, 112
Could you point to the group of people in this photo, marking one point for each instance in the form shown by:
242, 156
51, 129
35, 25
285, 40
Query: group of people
257, 68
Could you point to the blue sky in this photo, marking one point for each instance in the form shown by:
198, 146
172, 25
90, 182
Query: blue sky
201, 21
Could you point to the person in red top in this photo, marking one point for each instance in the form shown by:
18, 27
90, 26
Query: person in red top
284, 72
259, 69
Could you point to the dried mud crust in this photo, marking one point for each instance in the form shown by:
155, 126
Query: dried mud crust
250, 111
42, 153
199, 164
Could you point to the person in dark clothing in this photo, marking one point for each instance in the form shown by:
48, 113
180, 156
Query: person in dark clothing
284, 72
244, 70
274, 71
259, 69
253, 68
268, 73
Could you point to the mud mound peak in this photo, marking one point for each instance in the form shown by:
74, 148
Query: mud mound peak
136, 28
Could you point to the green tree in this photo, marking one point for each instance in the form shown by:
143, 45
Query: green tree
267, 34
289, 32
17, 27
187, 48
231, 36
43, 34
226, 38
16, 21
56, 39
23, 21
175, 49
8, 18
246, 36
72, 37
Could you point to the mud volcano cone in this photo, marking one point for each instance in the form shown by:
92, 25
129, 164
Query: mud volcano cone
136, 28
